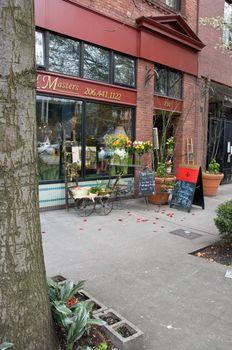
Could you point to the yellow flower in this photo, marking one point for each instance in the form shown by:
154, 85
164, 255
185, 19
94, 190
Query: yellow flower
120, 136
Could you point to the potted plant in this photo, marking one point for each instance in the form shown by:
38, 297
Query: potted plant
212, 178
163, 185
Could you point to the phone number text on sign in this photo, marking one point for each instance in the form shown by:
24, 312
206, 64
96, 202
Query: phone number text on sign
103, 93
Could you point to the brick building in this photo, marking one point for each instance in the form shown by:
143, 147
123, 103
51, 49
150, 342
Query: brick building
215, 67
105, 66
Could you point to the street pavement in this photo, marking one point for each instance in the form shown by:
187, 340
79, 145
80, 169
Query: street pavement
134, 264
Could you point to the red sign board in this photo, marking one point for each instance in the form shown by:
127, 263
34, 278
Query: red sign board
187, 174
61, 85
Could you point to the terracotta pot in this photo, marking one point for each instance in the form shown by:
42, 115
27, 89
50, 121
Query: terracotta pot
211, 183
161, 195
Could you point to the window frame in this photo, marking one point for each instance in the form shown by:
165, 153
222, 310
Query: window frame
111, 80
167, 84
83, 176
43, 49
176, 6
227, 31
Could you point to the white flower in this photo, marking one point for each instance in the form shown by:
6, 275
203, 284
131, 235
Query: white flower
121, 153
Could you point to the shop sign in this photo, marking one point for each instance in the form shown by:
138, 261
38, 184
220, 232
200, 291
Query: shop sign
74, 87
167, 104
227, 101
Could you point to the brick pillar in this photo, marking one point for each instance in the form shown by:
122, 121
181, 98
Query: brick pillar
145, 106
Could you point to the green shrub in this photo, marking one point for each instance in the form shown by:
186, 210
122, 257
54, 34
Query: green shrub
223, 220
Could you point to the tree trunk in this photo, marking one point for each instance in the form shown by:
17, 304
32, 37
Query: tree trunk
24, 307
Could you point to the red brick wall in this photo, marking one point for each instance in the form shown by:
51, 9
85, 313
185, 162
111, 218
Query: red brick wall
215, 64
189, 125
127, 12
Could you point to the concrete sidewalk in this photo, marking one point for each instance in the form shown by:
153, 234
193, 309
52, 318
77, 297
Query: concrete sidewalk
133, 264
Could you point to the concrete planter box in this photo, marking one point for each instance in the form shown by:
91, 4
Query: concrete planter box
130, 339
97, 307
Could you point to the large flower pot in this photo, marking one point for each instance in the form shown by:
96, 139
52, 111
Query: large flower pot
211, 183
162, 194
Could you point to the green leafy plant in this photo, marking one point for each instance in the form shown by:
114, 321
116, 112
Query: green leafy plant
214, 167
73, 316
6, 345
102, 346
223, 220
161, 170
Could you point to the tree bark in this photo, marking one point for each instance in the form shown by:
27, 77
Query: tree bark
24, 307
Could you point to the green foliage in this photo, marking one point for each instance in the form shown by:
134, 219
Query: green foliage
102, 346
6, 345
214, 167
223, 220
170, 144
161, 170
75, 317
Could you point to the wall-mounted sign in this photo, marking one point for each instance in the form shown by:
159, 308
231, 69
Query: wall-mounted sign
227, 101
168, 104
85, 89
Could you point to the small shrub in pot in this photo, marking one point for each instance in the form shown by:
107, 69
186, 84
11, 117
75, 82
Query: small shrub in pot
223, 220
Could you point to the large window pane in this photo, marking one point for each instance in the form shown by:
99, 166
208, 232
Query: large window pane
175, 84
124, 70
54, 116
39, 49
96, 63
64, 55
101, 121
161, 80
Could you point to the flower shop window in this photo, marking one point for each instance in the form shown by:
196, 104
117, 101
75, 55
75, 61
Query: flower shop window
54, 117
168, 82
96, 63
124, 70
64, 55
101, 121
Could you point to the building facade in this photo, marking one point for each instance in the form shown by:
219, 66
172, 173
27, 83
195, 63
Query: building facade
215, 67
106, 67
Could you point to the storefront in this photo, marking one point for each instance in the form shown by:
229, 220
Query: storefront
220, 128
91, 84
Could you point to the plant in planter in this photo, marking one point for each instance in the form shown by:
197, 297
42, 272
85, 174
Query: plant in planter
212, 178
163, 186
223, 220
74, 317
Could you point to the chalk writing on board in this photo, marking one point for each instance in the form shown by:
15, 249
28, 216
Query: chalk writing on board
146, 182
183, 194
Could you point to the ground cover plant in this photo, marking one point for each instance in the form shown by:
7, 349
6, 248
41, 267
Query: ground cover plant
75, 325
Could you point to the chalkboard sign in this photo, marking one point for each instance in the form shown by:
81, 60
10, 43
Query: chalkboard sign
183, 194
146, 182
188, 189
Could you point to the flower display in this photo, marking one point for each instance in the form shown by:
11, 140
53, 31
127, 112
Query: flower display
116, 142
141, 147
121, 153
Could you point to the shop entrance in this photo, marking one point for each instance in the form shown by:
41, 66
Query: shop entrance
220, 145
